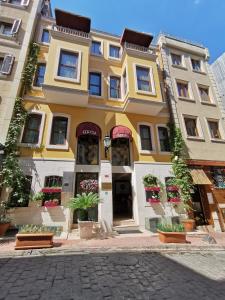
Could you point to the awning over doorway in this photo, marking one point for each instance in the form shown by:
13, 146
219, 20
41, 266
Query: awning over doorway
121, 132
199, 177
88, 128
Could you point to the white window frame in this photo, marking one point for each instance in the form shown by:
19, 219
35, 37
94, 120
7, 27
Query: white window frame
158, 140
20, 6
67, 79
49, 131
211, 98
38, 145
124, 95
151, 126
183, 64
102, 82
220, 129
202, 67
38, 88
5, 74
108, 51
200, 137
115, 99
101, 47
42, 28
152, 82
190, 91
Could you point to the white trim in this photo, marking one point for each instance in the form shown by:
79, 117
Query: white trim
49, 131
190, 91
222, 140
153, 92
101, 47
41, 130
41, 62
151, 126
200, 136
61, 78
109, 43
102, 82
158, 141
108, 85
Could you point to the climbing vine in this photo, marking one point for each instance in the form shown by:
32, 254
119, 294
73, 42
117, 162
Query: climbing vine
181, 171
12, 174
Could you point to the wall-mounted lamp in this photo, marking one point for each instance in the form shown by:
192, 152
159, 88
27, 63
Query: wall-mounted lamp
107, 144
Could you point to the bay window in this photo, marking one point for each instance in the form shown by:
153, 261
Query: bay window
68, 64
143, 78
115, 89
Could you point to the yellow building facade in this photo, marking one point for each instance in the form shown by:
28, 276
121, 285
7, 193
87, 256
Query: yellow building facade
97, 111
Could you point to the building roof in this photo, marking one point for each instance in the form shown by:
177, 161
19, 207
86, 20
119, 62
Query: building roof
137, 38
72, 21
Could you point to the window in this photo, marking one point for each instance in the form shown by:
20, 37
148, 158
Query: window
95, 83
183, 89
164, 139
204, 93
68, 64
114, 51
146, 139
5, 28
40, 74
6, 64
96, 48
191, 127
143, 79
176, 59
88, 150
115, 87
218, 175
32, 129
121, 152
16, 2
214, 129
59, 131
53, 181
125, 82
45, 38
196, 65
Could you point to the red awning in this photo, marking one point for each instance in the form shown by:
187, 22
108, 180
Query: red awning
121, 132
88, 128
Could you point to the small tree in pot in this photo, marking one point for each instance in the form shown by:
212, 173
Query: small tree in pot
81, 203
4, 219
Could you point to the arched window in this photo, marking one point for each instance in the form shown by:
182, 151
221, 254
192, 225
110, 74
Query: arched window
88, 135
121, 137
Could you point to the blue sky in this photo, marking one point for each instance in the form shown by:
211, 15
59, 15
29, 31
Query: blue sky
202, 21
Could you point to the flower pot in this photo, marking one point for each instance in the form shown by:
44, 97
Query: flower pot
50, 204
153, 200
85, 229
172, 188
152, 188
174, 200
33, 241
3, 228
172, 237
189, 225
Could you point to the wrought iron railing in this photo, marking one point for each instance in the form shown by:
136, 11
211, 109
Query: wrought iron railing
70, 31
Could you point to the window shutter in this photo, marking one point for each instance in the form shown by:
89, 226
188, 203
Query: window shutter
16, 26
7, 64
25, 2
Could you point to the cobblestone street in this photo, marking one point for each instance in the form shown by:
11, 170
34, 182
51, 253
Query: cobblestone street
114, 276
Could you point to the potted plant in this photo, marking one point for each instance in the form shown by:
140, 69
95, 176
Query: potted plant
82, 203
33, 237
37, 199
171, 233
4, 219
152, 188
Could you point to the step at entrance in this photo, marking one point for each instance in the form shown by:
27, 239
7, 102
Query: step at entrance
126, 226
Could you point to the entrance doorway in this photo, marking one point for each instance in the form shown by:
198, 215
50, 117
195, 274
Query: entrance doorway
122, 197
198, 208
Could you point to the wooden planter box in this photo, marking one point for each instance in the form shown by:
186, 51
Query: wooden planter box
172, 237
33, 241
86, 229
3, 228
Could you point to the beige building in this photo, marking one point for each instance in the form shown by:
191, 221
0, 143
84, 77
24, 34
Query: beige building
17, 23
196, 108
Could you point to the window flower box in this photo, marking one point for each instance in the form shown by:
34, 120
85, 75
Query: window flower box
174, 200
153, 189
153, 200
51, 203
51, 190
172, 188
33, 241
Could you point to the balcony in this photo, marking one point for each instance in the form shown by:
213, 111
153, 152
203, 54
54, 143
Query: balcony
72, 32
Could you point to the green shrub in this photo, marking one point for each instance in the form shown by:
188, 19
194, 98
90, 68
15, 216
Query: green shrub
35, 229
170, 227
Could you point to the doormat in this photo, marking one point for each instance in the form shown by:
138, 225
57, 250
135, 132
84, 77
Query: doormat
129, 231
